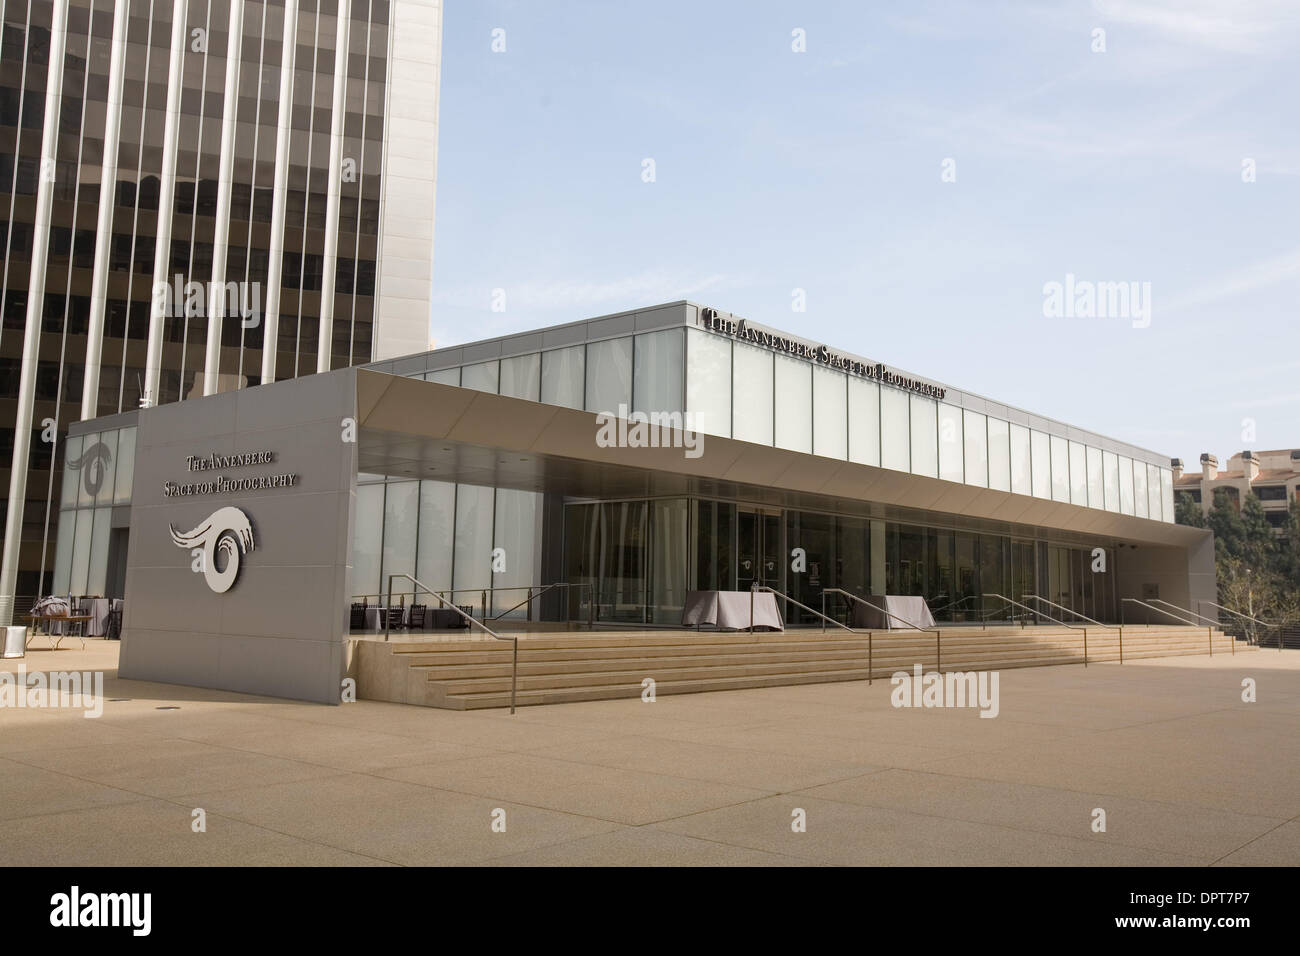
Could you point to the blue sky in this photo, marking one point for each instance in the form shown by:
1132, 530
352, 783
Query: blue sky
821, 171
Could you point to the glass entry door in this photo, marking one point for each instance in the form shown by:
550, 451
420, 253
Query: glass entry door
758, 549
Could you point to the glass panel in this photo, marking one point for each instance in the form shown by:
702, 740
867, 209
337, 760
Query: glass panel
999, 455
1126, 485
89, 467
63, 554
367, 538
125, 466
1078, 474
401, 520
516, 535
1167, 494
895, 430
1140, 500
830, 413
1153, 492
968, 592
609, 375
752, 399
107, 469
564, 376
473, 542
793, 404
952, 465
581, 550
977, 449
101, 534
1040, 454
815, 534
660, 364
925, 436
715, 528
482, 377
864, 422
1060, 451
1096, 497
434, 547
81, 552
668, 542
71, 476
708, 383
1020, 461
444, 376
620, 562
1110, 466
939, 576
521, 376
853, 556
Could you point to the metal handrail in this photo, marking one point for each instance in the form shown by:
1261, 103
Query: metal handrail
871, 651
862, 600
938, 635
591, 605
1152, 607
492, 590
1202, 617
1069, 610
1034, 611
514, 639
1232, 648
1075, 627
1253, 620
1209, 631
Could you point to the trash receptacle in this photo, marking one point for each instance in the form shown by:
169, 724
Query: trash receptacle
15, 642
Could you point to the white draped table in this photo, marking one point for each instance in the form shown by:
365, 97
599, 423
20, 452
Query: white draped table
903, 609
730, 609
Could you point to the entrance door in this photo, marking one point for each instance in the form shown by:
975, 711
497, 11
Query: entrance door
758, 549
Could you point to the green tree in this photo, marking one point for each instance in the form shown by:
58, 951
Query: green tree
1187, 510
1259, 544
1229, 530
1288, 552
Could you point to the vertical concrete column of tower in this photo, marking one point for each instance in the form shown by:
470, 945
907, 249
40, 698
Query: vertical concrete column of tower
404, 274
104, 224
35, 303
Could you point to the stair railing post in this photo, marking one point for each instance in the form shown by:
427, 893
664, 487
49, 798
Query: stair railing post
388, 605
871, 664
514, 674
1085, 647
1121, 643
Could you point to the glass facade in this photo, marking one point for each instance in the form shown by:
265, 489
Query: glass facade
98, 473
639, 557
636, 559
738, 390
450, 537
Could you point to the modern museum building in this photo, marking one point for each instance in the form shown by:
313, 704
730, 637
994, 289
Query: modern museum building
632, 459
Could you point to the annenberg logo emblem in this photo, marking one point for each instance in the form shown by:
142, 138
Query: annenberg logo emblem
227, 532
93, 464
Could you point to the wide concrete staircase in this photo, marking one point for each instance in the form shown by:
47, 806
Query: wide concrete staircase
472, 674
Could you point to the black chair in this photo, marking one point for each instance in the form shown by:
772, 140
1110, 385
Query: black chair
415, 620
394, 618
114, 630
468, 610
357, 618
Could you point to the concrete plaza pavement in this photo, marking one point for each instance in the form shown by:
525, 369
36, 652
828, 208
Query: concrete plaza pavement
1185, 770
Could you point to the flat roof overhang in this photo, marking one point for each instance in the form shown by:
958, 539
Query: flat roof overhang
412, 428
